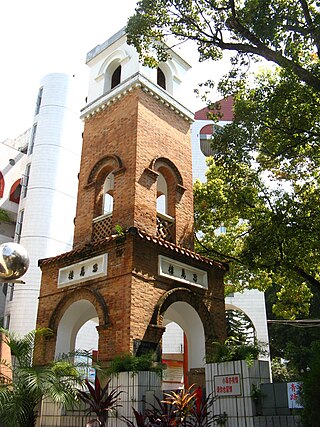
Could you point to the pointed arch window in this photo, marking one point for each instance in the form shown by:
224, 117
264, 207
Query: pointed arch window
116, 77
161, 78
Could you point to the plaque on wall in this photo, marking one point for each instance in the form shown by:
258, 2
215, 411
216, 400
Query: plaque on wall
85, 270
181, 272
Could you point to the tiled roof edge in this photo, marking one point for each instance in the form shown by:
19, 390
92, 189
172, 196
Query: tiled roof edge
134, 231
176, 248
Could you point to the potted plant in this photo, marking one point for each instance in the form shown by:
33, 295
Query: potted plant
100, 400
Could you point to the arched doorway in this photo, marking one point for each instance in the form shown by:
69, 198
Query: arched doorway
77, 329
183, 344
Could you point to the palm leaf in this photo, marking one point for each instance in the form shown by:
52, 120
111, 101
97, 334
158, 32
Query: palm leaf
19, 398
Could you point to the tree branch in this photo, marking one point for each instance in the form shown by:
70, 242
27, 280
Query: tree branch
260, 49
307, 276
313, 29
220, 254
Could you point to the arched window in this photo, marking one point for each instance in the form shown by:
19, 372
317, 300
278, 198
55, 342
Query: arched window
206, 134
1, 185
166, 204
107, 204
15, 192
116, 77
161, 78
162, 195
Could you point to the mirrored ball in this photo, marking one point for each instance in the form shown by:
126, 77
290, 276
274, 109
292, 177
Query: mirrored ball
14, 261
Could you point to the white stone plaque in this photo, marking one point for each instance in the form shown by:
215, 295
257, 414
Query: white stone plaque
182, 272
86, 270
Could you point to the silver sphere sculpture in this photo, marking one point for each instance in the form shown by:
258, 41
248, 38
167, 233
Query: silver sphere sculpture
14, 261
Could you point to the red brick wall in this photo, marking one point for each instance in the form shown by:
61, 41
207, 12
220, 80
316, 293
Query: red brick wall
137, 129
131, 291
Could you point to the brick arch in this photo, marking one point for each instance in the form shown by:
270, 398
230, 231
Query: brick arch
98, 175
163, 162
89, 294
1, 184
191, 298
174, 182
110, 162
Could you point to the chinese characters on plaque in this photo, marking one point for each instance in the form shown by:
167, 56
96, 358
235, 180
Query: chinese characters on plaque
84, 270
227, 385
182, 272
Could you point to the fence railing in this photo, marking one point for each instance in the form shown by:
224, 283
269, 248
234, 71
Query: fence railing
165, 227
102, 227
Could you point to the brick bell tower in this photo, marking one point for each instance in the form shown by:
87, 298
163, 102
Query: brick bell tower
132, 263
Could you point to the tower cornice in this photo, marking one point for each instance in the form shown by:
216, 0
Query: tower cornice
126, 87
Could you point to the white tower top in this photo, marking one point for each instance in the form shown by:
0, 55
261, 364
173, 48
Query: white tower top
115, 63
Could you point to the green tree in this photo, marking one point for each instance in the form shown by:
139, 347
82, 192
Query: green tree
23, 389
263, 186
280, 31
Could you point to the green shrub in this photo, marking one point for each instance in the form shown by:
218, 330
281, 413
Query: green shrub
231, 350
130, 363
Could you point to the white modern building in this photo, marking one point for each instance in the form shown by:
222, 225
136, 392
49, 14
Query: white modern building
12, 165
46, 189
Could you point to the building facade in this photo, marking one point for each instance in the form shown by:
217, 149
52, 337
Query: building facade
133, 268
42, 198
43, 214
12, 166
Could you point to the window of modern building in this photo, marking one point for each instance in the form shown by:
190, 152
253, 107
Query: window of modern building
39, 99
1, 185
206, 134
32, 138
116, 77
25, 180
15, 192
19, 226
4, 288
6, 322
161, 78
10, 291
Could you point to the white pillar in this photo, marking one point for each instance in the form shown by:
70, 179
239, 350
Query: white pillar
50, 201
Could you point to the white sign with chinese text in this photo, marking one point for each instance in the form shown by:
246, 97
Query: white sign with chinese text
227, 385
182, 272
294, 390
86, 270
